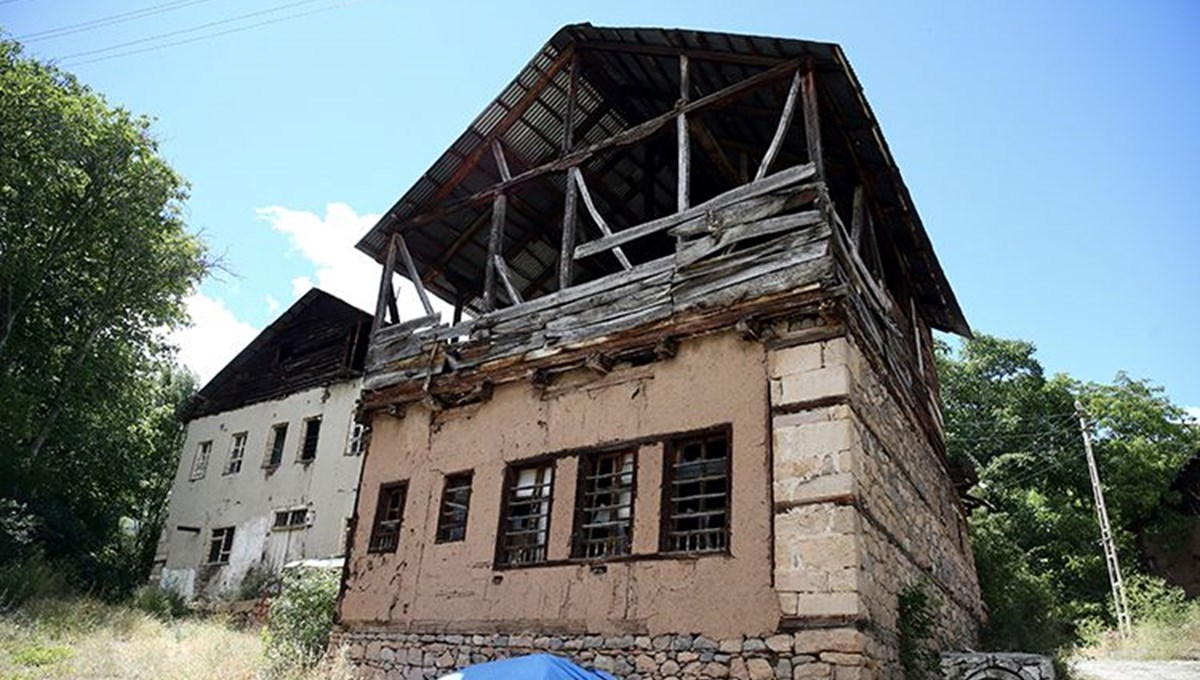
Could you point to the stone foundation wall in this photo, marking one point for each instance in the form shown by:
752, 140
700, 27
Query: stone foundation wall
817, 654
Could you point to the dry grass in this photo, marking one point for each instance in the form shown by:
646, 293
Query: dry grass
88, 639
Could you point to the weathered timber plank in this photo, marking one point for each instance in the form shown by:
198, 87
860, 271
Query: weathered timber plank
495, 240
766, 185
684, 168
748, 210
812, 121
785, 121
700, 248
385, 285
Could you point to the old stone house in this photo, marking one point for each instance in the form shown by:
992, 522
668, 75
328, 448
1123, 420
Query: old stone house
690, 425
271, 459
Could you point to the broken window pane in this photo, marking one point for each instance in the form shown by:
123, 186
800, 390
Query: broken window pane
278, 439
312, 431
526, 523
456, 501
604, 516
200, 462
220, 546
389, 513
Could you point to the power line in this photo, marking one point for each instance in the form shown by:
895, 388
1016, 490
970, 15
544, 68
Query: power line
51, 33
200, 27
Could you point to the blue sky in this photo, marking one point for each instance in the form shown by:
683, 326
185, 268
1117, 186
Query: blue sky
1050, 147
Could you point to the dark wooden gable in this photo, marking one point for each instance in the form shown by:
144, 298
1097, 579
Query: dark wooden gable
318, 340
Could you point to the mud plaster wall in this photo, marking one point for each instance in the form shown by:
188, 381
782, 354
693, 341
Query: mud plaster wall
453, 587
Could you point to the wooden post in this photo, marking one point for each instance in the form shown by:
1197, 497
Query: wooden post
785, 121
501, 162
566, 255
411, 268
495, 238
682, 198
812, 120
857, 217
502, 273
385, 286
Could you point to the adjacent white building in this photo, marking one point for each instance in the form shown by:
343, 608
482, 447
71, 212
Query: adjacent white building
270, 466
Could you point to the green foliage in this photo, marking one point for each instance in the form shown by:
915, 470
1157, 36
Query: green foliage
1036, 545
94, 267
1166, 624
41, 655
919, 658
164, 605
32, 577
301, 620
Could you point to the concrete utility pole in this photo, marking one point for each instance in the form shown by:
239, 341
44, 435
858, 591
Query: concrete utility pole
1106, 538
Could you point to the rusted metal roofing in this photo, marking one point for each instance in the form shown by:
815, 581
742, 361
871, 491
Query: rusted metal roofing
627, 76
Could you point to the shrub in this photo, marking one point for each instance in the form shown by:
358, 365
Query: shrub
160, 603
32, 577
300, 621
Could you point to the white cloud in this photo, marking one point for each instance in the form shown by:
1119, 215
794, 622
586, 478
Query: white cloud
340, 269
272, 304
214, 337
1194, 412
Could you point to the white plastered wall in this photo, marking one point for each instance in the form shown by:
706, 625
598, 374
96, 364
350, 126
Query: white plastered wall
247, 500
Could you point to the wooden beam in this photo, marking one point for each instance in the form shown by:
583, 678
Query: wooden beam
495, 242
502, 271
683, 188
633, 135
411, 268
812, 121
857, 218
385, 285
566, 259
577, 177
785, 121
501, 163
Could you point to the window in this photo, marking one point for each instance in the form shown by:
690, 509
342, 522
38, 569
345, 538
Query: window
312, 431
358, 439
286, 520
200, 461
525, 526
236, 452
220, 546
604, 515
278, 439
696, 494
456, 501
389, 513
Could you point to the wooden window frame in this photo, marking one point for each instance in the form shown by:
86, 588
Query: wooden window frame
668, 515
450, 529
289, 519
271, 461
382, 527
237, 454
316, 444
356, 442
200, 460
512, 473
588, 478
222, 552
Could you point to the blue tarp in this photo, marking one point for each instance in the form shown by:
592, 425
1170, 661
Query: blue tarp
532, 667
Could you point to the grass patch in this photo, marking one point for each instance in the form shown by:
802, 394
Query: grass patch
1166, 626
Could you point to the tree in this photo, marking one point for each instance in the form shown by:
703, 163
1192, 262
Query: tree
95, 260
1035, 537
